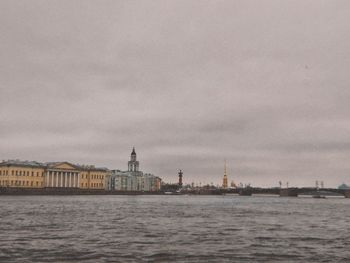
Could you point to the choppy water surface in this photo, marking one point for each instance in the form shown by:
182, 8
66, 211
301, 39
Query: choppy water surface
173, 228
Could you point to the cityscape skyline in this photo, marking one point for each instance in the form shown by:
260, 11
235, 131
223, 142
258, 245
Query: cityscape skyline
263, 85
226, 182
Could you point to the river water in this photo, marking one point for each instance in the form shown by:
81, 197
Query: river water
173, 229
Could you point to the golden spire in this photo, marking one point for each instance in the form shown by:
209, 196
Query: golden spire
224, 181
225, 174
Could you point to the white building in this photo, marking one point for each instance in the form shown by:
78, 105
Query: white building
133, 179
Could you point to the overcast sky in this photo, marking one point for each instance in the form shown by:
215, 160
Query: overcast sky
262, 84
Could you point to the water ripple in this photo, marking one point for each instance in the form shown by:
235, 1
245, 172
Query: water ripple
173, 228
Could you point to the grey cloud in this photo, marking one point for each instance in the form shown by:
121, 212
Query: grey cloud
189, 83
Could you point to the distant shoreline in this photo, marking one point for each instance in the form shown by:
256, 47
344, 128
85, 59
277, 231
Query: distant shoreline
291, 192
70, 191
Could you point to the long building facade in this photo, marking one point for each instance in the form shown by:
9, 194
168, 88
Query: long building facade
30, 174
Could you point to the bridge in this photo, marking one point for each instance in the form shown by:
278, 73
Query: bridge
292, 192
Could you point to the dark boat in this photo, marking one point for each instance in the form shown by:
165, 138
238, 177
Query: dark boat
318, 196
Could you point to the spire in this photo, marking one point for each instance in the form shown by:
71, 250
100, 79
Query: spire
224, 181
133, 151
225, 172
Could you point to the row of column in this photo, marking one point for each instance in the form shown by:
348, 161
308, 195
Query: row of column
62, 179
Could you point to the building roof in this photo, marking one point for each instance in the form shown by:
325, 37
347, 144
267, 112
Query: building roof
85, 167
20, 163
34, 164
56, 165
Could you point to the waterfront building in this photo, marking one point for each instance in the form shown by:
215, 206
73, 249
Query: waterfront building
133, 179
93, 177
62, 175
30, 174
24, 174
344, 186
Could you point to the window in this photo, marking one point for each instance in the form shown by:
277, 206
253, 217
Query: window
37, 173
37, 184
31, 183
32, 173
12, 172
27, 173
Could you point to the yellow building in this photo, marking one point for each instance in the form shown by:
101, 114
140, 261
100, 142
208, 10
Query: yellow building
25, 174
62, 175
92, 177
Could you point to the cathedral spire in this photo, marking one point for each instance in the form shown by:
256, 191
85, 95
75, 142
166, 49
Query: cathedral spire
224, 181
